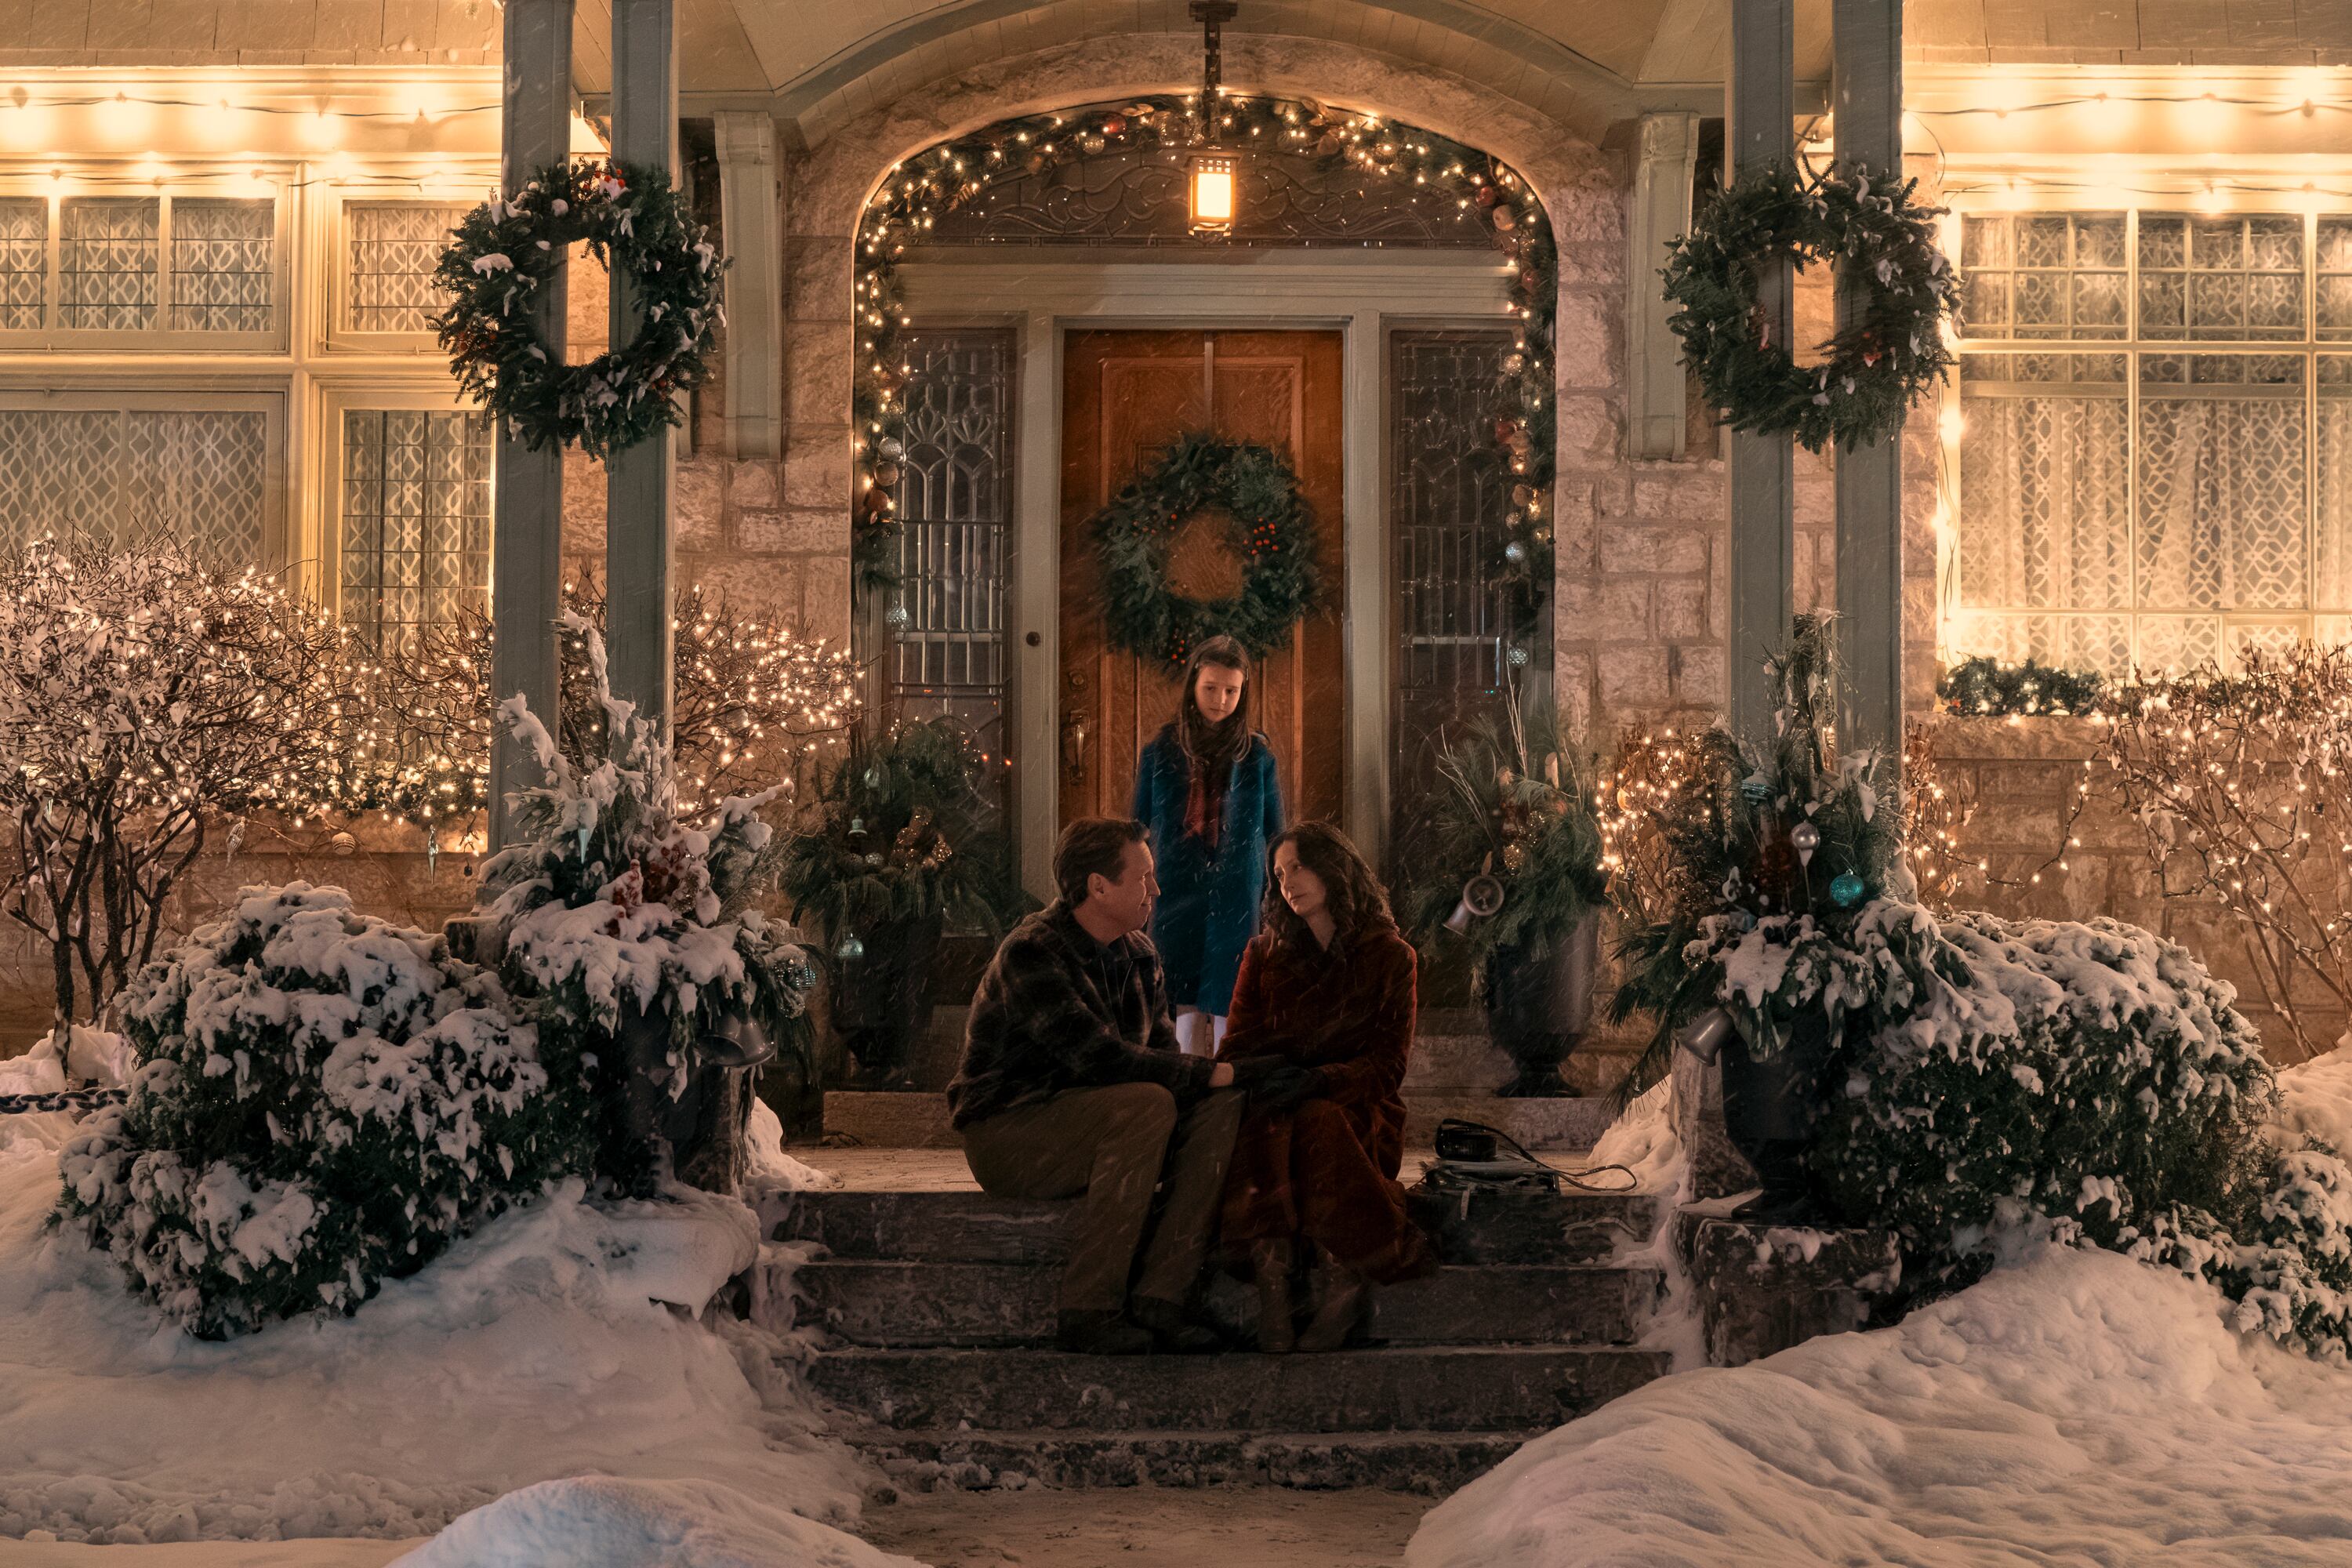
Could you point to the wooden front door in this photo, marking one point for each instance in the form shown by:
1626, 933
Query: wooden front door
1126, 396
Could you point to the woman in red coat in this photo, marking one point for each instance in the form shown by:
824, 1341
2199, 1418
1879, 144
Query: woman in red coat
1327, 985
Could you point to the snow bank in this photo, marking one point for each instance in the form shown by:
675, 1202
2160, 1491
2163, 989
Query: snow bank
529, 1352
2079, 1407
599, 1524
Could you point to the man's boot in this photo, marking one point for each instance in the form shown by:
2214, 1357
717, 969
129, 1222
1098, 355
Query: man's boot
1100, 1334
1270, 1261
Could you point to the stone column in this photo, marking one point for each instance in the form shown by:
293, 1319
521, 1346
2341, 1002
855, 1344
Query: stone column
1665, 158
1762, 467
1869, 128
637, 537
527, 575
752, 230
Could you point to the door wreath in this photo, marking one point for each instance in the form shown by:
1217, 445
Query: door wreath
641, 229
1272, 529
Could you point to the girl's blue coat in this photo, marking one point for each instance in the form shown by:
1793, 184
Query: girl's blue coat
1208, 902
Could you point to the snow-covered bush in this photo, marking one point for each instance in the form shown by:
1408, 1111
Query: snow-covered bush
2087, 1080
324, 1100
616, 906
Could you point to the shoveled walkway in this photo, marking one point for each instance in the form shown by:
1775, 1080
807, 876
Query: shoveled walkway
1149, 1527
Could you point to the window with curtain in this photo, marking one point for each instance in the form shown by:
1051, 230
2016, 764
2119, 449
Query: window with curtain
390, 251
415, 537
2154, 461
130, 475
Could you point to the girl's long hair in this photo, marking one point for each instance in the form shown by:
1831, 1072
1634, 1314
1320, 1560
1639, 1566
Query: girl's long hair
1358, 905
1212, 749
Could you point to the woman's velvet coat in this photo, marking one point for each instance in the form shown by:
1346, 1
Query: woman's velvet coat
1325, 1170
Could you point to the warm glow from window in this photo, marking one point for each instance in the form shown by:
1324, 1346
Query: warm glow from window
1213, 194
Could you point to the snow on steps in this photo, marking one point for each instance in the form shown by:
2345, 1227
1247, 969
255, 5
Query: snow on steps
939, 1304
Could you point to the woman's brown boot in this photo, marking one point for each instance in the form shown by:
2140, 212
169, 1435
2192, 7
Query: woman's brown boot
1340, 1297
1270, 1261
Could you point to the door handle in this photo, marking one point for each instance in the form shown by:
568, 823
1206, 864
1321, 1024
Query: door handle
1074, 748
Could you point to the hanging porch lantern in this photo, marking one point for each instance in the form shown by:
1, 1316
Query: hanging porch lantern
1214, 172
1212, 195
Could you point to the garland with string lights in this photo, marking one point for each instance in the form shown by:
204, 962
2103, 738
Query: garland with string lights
1271, 530
1889, 351
940, 179
641, 229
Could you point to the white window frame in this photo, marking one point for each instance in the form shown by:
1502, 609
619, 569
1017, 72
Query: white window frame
324, 530
2325, 624
182, 398
329, 261
117, 182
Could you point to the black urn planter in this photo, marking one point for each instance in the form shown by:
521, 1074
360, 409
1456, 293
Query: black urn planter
1538, 1009
1771, 1106
881, 995
686, 1119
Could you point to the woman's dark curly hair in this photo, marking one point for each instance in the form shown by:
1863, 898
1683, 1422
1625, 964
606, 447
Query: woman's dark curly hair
1358, 905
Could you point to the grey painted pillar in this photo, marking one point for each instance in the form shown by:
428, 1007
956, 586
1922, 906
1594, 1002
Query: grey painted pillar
637, 482
1869, 128
1763, 475
751, 223
1664, 157
527, 571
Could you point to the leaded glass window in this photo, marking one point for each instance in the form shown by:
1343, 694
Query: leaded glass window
224, 265
137, 479
390, 251
204, 267
1449, 488
2181, 496
416, 544
946, 652
24, 262
108, 257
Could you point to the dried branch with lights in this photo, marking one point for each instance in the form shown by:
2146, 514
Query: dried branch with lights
2241, 785
142, 702
753, 703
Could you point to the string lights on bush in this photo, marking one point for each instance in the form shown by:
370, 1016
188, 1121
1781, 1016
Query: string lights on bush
916, 191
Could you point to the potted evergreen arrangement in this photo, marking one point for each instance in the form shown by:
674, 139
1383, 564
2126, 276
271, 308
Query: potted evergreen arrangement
898, 849
1513, 865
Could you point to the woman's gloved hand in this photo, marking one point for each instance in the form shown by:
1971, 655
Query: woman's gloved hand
1277, 1083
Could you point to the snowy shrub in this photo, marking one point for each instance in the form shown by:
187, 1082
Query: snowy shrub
2091, 1082
616, 905
324, 1100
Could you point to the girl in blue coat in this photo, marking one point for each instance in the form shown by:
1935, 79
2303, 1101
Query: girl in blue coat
1206, 789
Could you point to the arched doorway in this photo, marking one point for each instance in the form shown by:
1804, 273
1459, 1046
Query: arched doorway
1035, 318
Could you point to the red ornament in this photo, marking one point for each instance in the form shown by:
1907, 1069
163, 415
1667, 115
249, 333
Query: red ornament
1488, 196
1114, 124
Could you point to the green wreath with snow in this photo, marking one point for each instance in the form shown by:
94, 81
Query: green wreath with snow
1891, 348
509, 248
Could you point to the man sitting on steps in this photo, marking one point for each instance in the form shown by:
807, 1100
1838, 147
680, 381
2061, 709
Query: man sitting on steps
1072, 1083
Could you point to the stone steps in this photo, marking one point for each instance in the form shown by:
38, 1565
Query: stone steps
1420, 1388
971, 1227
937, 1307
906, 1304
1431, 1463
914, 1119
